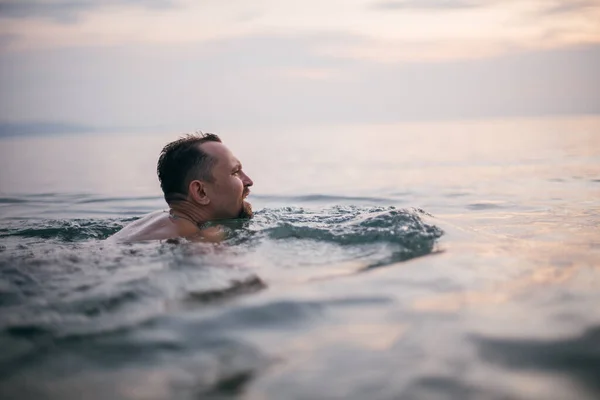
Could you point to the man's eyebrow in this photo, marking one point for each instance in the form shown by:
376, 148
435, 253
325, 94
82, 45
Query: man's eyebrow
237, 165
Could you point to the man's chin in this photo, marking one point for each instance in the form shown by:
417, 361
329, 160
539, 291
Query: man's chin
246, 211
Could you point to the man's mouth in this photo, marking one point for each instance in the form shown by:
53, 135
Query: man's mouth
246, 193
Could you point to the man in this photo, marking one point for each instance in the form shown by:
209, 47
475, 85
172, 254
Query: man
202, 181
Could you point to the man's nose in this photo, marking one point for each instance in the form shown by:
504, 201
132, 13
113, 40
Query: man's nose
247, 181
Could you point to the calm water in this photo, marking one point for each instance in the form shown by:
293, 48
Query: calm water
449, 260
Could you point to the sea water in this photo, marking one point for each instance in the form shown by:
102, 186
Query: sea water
442, 260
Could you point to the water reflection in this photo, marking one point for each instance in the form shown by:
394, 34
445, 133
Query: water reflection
556, 246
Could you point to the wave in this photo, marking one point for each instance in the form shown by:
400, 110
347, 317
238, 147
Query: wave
343, 225
348, 225
577, 357
64, 230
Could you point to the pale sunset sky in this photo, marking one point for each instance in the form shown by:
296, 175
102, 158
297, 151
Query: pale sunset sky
212, 64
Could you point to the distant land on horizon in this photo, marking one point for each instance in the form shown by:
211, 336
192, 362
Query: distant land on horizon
48, 128
15, 129
9, 129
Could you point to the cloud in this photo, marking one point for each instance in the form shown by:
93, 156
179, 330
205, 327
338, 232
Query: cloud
569, 7
65, 11
7, 39
427, 4
309, 73
126, 22
280, 81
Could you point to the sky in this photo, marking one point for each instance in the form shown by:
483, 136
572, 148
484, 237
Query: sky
212, 64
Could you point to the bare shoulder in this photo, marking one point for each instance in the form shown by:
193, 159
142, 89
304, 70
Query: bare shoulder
213, 234
154, 226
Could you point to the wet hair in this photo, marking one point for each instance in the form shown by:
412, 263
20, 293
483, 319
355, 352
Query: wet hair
183, 161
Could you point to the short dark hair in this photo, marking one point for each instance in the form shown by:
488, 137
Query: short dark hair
182, 161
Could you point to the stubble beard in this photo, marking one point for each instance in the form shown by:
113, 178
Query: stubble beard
246, 211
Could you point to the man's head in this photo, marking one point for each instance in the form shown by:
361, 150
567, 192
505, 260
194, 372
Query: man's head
201, 170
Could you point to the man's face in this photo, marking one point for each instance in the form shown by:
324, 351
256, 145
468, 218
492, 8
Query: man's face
230, 184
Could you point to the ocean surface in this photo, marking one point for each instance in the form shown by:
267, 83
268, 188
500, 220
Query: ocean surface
443, 260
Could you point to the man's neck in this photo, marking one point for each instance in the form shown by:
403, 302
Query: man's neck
187, 216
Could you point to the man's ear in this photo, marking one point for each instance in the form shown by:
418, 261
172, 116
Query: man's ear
197, 192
